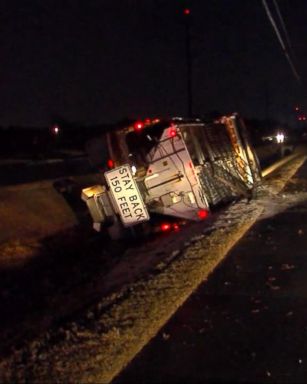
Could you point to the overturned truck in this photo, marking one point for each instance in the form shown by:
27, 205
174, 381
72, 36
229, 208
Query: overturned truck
180, 168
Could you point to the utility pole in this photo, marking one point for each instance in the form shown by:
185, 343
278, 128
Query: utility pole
186, 13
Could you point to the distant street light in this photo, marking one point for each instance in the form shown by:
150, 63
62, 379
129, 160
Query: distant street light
55, 130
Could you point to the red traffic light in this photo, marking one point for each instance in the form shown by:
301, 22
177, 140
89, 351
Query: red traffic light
186, 11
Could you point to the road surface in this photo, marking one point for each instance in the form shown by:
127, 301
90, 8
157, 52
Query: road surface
248, 322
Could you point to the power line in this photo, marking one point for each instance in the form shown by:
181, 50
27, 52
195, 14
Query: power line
280, 39
282, 22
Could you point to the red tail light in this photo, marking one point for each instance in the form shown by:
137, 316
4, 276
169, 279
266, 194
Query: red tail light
176, 227
202, 214
165, 227
110, 164
172, 132
138, 126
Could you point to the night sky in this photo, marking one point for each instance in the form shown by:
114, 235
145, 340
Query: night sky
96, 61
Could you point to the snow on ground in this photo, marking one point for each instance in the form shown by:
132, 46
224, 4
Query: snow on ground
99, 344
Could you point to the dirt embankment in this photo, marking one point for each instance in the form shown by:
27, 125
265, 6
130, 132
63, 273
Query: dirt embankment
31, 212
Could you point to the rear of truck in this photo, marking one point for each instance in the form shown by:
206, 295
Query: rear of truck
178, 168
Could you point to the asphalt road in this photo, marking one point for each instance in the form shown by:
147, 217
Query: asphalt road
248, 322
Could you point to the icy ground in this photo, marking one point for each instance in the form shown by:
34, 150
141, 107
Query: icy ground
146, 288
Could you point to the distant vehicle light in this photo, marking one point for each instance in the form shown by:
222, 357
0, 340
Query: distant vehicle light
165, 227
110, 164
280, 138
202, 214
186, 11
138, 126
147, 121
